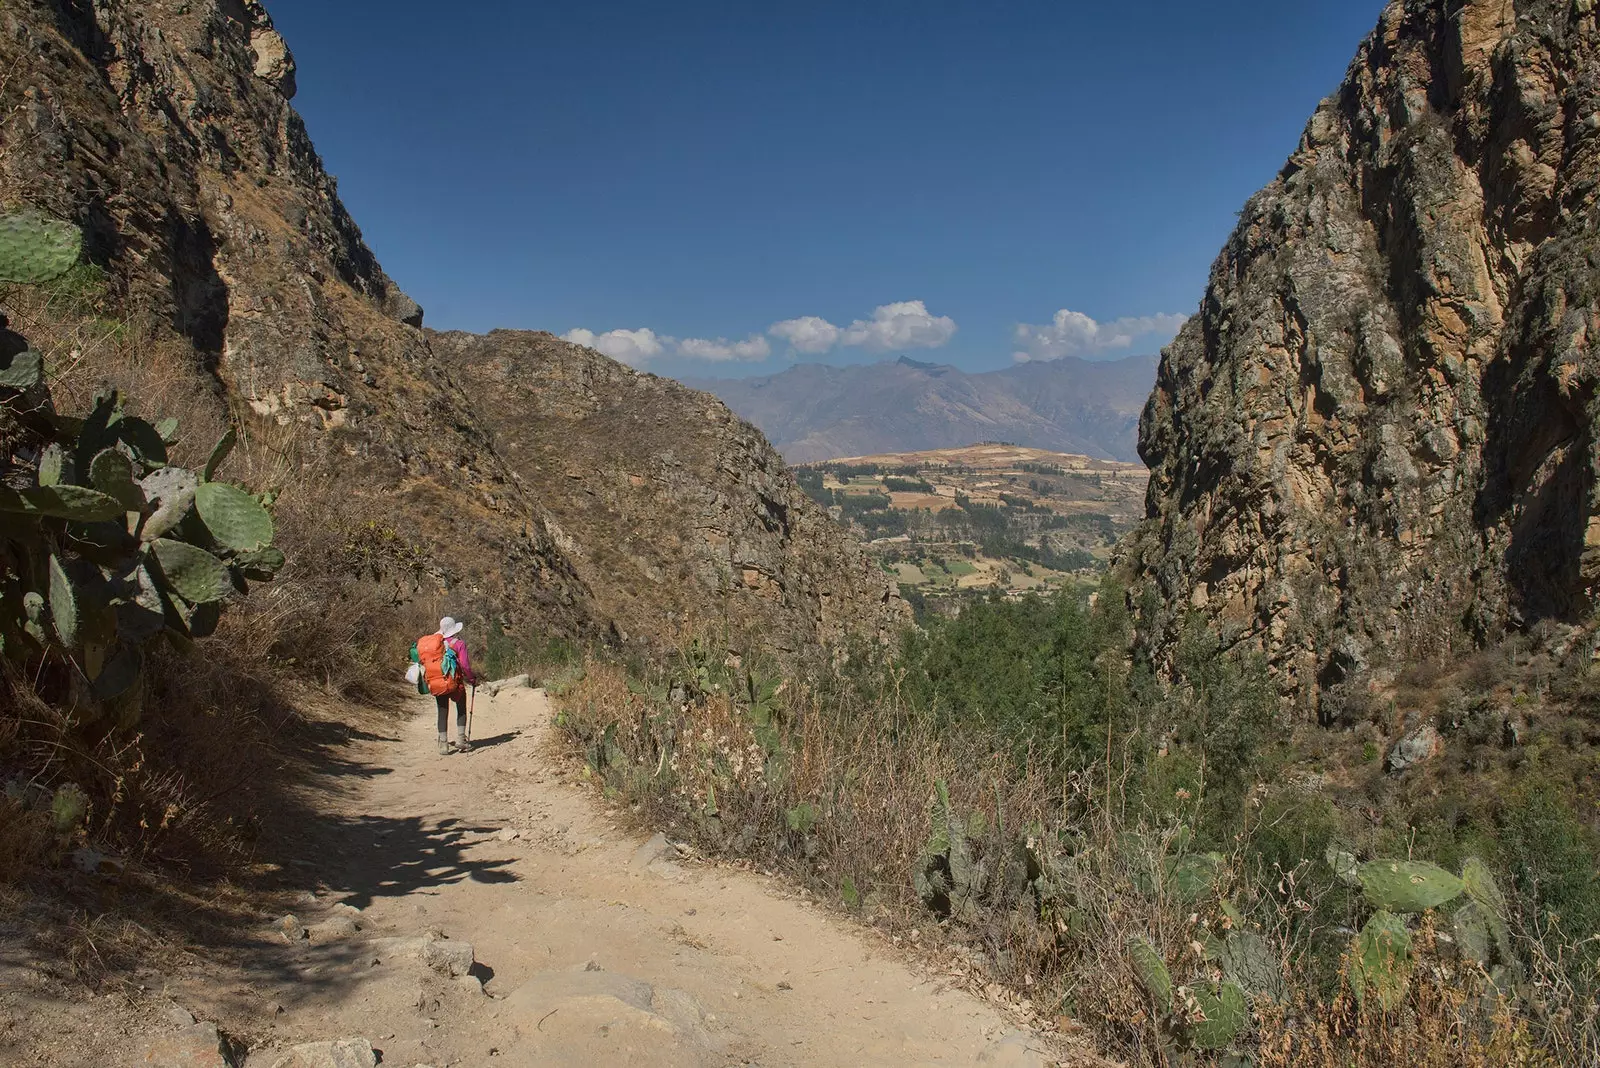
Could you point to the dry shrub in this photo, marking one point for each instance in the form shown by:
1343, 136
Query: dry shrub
1444, 1022
689, 756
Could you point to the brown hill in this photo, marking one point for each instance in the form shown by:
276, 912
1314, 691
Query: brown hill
674, 511
165, 130
1376, 440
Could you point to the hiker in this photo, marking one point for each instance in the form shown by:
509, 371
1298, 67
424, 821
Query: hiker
447, 672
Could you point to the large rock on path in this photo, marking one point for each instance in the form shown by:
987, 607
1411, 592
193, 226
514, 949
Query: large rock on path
195, 1046
599, 1017
345, 1053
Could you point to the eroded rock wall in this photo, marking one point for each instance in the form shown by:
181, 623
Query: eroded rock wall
1376, 439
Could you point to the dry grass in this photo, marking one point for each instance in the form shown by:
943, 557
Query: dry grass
696, 766
186, 796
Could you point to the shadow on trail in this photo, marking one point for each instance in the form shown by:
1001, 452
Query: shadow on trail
494, 740
382, 856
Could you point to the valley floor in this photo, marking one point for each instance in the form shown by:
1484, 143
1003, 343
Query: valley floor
589, 947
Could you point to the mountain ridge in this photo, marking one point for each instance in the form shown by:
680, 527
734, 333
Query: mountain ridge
813, 411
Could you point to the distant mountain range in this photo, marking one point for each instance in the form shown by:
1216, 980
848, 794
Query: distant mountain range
814, 412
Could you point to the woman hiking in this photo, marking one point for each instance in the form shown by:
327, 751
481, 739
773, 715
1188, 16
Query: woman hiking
447, 671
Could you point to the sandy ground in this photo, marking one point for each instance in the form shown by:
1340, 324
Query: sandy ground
588, 946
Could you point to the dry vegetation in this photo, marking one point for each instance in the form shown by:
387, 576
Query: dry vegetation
183, 811
834, 777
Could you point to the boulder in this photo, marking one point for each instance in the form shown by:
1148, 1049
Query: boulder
653, 850
344, 1053
515, 682
195, 1046
1419, 746
448, 957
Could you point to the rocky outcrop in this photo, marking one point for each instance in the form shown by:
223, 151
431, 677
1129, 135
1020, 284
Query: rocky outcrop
1377, 439
675, 512
164, 129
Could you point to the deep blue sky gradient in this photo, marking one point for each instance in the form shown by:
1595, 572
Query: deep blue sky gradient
707, 168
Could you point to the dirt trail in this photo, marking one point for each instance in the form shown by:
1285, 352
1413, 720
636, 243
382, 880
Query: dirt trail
591, 947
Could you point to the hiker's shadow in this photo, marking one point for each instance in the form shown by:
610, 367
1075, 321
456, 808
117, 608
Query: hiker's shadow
494, 740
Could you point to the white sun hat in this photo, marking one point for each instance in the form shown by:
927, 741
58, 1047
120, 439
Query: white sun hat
450, 627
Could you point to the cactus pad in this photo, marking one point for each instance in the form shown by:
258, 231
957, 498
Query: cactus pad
112, 474
262, 564
1247, 961
52, 464
1152, 972
196, 575
172, 490
77, 503
120, 673
233, 517
1193, 875
63, 604
219, 453
1407, 885
24, 371
1380, 961
35, 249
1220, 1014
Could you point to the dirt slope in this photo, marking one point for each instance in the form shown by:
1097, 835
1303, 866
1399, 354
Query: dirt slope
591, 949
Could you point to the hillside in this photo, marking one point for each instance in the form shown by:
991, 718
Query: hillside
815, 412
951, 523
166, 131
676, 513
1375, 443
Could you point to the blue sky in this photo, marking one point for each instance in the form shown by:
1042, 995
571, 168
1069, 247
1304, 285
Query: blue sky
733, 186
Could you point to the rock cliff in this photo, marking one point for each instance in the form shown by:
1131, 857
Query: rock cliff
164, 128
676, 513
1377, 439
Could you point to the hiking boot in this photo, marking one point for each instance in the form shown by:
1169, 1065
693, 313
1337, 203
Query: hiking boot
444, 748
463, 746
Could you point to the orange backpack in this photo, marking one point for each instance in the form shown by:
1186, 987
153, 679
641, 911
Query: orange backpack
442, 682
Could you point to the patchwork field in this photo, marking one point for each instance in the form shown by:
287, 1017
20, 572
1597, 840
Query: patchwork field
954, 523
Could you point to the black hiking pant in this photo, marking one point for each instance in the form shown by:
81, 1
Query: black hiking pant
460, 698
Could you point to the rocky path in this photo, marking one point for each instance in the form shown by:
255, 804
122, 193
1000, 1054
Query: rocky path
480, 909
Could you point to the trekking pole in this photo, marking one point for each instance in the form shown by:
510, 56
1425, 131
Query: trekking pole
472, 703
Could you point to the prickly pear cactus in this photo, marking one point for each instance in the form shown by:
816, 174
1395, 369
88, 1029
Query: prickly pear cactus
947, 878
1193, 876
1247, 961
1380, 961
1217, 1014
36, 249
104, 545
1152, 972
1407, 885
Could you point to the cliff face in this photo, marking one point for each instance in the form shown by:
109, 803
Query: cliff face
165, 129
675, 512
1377, 439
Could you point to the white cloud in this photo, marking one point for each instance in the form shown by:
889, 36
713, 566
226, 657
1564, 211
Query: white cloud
809, 333
1073, 333
754, 347
904, 325
627, 346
